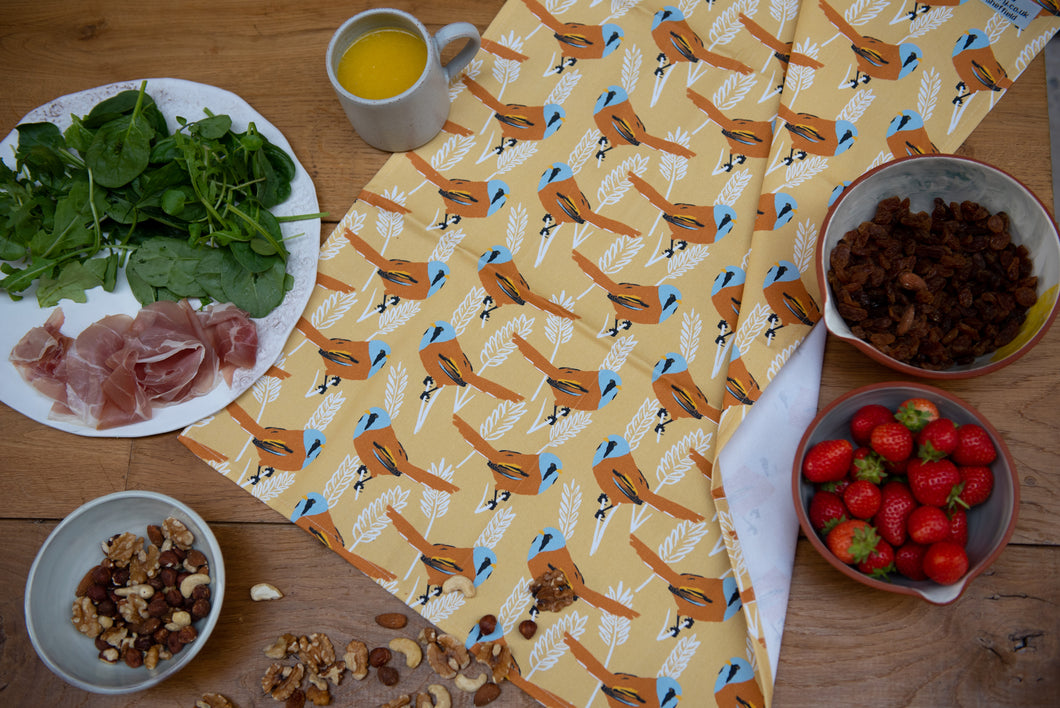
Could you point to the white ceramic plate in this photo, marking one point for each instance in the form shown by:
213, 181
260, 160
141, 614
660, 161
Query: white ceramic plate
188, 99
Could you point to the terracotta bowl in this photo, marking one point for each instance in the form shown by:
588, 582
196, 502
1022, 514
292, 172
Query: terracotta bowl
70, 551
990, 524
952, 178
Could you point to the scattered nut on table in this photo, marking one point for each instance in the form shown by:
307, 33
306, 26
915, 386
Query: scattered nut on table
265, 591
470, 685
487, 694
411, 650
528, 628
441, 696
391, 620
356, 658
213, 700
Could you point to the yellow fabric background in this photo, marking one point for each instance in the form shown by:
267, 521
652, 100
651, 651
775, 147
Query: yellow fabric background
399, 215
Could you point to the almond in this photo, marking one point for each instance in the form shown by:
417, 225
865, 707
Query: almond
391, 620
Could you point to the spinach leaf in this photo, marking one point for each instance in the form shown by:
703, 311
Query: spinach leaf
257, 294
119, 151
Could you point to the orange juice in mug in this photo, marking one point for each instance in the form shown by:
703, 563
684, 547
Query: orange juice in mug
382, 63
388, 75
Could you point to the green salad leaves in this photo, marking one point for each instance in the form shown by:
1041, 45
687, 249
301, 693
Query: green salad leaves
186, 214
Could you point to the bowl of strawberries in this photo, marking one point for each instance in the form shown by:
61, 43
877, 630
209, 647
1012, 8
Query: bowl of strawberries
905, 488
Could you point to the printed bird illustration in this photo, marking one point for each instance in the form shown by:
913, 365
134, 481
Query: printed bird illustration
381, 202
688, 223
334, 284
577, 41
513, 472
813, 135
781, 50
518, 122
788, 298
618, 123
705, 466
907, 136
344, 358
698, 598
572, 389
621, 482
741, 387
643, 304
462, 197
678, 42
549, 551
977, 67
726, 294
876, 59
1049, 7
446, 364
737, 686
923, 8
677, 393
408, 280
505, 285
774, 210
625, 690
746, 137
278, 449
565, 203
442, 560
312, 514
377, 445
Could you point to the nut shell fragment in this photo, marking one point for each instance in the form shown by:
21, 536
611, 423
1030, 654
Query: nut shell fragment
265, 591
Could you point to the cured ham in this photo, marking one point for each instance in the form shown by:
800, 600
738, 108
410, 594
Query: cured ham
120, 368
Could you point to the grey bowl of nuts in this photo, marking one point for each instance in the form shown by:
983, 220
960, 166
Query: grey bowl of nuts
939, 266
124, 592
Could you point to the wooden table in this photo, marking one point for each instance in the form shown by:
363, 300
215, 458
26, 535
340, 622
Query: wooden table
843, 644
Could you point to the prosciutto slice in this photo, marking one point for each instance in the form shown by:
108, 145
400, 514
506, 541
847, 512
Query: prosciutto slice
120, 368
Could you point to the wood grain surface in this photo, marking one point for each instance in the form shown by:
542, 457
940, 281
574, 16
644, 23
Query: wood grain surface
843, 645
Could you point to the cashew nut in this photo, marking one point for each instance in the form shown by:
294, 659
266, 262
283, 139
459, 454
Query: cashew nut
441, 695
265, 591
470, 685
144, 591
411, 650
459, 583
179, 619
191, 582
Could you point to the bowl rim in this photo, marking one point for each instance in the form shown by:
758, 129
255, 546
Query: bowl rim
217, 574
818, 543
890, 362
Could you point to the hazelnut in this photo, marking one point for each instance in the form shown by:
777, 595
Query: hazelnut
187, 634
388, 675
380, 656
96, 593
134, 659
200, 609
119, 577
195, 557
107, 608
169, 559
528, 628
174, 598
487, 624
168, 576
101, 644
142, 644
154, 535
158, 606
100, 575
160, 635
173, 643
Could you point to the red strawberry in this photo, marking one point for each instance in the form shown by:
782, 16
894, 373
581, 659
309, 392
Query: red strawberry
837, 487
928, 524
915, 413
909, 560
937, 439
945, 562
934, 483
974, 446
862, 499
867, 465
959, 526
896, 504
828, 461
826, 510
880, 563
978, 483
892, 441
852, 541
865, 419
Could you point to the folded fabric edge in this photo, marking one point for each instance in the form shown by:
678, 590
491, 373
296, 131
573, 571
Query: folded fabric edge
755, 488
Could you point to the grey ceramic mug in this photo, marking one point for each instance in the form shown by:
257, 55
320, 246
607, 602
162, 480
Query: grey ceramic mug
413, 117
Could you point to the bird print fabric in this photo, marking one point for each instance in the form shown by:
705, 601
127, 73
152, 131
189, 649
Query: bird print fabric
535, 333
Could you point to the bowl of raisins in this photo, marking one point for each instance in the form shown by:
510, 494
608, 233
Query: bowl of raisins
939, 266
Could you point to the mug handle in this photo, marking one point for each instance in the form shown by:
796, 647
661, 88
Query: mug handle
451, 33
